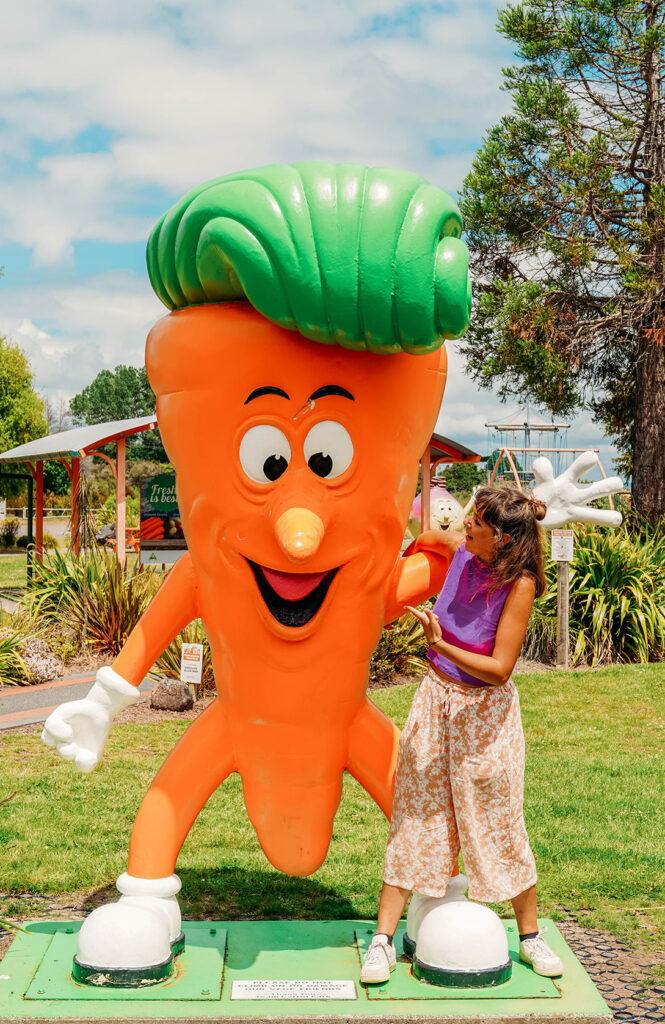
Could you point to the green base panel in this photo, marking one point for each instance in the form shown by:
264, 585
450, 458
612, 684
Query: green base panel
523, 983
36, 983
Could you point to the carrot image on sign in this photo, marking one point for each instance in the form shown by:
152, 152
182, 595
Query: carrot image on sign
299, 372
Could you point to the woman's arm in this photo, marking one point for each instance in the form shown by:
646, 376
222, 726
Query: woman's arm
438, 541
497, 667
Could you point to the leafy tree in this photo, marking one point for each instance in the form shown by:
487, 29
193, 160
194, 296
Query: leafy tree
56, 477
21, 410
565, 210
462, 477
121, 394
22, 416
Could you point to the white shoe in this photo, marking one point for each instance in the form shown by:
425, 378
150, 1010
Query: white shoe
133, 941
537, 953
380, 960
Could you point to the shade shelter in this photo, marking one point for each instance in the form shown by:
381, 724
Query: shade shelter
441, 450
69, 447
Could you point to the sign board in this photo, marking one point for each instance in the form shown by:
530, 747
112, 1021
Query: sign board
307, 988
162, 539
562, 545
191, 663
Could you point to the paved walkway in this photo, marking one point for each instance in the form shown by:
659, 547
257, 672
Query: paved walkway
23, 705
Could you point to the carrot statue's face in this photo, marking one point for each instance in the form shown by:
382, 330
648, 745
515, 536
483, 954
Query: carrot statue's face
296, 462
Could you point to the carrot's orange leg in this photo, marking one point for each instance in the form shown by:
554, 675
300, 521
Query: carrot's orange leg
414, 579
372, 758
171, 609
196, 766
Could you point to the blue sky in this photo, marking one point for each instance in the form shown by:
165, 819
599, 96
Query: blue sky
110, 111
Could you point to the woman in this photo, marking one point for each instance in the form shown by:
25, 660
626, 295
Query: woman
460, 770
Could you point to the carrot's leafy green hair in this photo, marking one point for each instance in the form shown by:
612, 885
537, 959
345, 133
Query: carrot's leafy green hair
366, 258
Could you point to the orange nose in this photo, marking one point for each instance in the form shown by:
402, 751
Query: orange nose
299, 532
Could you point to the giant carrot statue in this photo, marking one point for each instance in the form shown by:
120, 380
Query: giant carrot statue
299, 372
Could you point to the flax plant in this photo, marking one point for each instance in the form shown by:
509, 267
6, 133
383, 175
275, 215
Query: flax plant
617, 599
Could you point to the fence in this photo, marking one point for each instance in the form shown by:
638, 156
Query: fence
49, 513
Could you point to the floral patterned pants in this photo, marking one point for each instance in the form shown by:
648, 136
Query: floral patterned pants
459, 786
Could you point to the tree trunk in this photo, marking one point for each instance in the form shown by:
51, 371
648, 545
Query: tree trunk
649, 432
649, 425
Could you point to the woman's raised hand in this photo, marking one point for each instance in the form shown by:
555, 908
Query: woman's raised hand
429, 622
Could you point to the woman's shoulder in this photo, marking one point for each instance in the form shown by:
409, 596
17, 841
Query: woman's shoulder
524, 586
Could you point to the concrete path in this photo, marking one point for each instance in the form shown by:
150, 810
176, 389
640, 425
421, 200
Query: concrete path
23, 705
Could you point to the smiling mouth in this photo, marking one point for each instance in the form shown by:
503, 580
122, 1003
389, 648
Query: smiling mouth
293, 598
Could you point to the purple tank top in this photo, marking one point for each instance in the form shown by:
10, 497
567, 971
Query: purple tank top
468, 614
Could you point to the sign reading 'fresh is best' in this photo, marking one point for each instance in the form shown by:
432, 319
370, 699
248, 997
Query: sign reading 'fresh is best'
162, 539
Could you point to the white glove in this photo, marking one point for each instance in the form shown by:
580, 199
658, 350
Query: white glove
79, 729
566, 498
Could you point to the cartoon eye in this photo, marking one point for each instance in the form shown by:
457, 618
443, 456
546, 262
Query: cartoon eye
264, 453
328, 449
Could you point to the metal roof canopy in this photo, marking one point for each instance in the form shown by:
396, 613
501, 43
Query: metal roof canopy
443, 449
69, 447
76, 443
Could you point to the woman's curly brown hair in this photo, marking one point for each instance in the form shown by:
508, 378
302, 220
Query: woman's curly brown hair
509, 511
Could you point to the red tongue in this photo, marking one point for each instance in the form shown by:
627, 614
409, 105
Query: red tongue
293, 586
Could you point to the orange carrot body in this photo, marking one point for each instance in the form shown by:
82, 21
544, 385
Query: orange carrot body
291, 713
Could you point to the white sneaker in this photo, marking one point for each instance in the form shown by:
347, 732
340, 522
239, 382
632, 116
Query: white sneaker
380, 960
537, 953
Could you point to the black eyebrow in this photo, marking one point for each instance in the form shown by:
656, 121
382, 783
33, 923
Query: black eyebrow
330, 389
267, 390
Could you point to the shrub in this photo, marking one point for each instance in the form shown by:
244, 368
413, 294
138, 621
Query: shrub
617, 599
22, 542
36, 662
106, 514
115, 598
9, 528
168, 663
13, 669
401, 649
56, 582
95, 600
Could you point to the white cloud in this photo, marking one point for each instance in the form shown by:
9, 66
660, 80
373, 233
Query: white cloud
85, 327
185, 92
212, 88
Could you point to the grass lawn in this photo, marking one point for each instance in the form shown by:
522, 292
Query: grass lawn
13, 570
594, 809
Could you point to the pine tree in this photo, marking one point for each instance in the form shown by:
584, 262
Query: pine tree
565, 211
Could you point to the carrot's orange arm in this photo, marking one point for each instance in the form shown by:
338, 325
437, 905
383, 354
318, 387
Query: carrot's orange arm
414, 579
372, 757
171, 609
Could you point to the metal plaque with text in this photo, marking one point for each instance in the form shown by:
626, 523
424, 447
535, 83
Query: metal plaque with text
306, 988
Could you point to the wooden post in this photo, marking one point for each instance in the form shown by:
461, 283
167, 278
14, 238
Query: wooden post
76, 539
39, 510
425, 469
120, 518
562, 612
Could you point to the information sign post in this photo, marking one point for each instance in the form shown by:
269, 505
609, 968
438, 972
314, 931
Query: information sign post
191, 666
562, 554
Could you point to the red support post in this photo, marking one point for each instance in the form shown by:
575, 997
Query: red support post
39, 512
120, 518
76, 539
425, 470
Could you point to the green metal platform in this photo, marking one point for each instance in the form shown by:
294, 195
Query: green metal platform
289, 970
